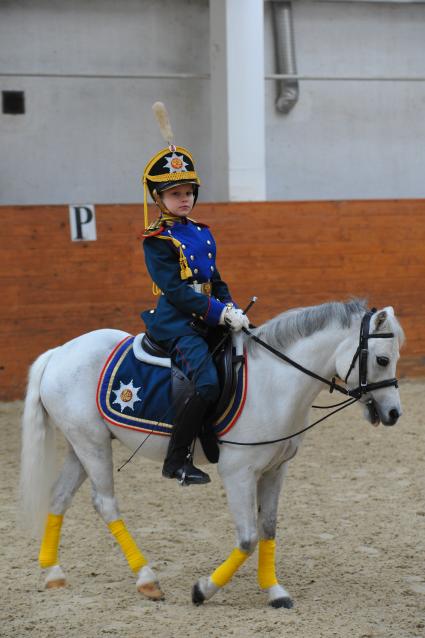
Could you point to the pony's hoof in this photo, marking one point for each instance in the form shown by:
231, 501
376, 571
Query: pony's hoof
55, 578
152, 591
55, 584
278, 603
197, 596
147, 584
203, 590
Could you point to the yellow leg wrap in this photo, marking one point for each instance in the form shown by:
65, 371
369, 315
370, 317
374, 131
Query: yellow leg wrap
266, 563
224, 573
48, 555
134, 556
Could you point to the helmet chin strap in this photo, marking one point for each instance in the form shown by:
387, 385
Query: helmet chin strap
158, 201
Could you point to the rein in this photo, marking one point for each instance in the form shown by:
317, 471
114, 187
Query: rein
354, 395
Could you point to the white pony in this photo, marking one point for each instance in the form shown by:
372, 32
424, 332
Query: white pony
62, 387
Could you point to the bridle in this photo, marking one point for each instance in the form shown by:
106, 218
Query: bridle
354, 394
362, 354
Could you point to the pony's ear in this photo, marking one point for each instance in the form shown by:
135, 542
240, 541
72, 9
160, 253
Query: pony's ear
381, 317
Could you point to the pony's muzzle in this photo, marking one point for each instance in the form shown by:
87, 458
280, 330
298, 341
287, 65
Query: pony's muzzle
376, 414
393, 417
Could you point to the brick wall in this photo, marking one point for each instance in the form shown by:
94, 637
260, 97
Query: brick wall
286, 253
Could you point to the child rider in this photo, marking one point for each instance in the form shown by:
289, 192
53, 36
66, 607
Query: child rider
180, 257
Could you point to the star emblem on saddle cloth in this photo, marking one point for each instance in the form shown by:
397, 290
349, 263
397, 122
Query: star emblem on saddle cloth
126, 396
175, 163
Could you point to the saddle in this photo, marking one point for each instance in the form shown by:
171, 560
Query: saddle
227, 359
228, 356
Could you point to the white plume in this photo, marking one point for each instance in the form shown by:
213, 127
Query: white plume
164, 122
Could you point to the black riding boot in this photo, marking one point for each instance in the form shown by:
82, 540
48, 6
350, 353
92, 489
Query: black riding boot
178, 462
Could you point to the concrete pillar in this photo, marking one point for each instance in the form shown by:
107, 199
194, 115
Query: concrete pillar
237, 100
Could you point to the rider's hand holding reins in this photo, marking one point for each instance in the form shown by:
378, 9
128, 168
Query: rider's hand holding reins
234, 318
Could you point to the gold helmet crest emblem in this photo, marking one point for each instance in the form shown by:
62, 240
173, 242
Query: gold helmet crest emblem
176, 163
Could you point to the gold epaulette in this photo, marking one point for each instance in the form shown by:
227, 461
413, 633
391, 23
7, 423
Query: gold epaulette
155, 228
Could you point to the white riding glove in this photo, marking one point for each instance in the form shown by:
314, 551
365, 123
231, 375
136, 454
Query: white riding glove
234, 318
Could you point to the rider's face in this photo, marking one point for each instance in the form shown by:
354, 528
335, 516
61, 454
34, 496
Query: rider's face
179, 200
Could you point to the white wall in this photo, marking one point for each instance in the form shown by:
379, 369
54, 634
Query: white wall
85, 140
351, 140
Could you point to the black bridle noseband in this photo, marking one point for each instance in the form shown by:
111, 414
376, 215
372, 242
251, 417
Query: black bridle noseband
355, 394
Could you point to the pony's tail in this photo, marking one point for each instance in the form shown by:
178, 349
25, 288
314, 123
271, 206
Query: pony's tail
38, 452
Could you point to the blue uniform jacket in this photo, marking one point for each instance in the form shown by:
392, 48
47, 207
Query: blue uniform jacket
178, 254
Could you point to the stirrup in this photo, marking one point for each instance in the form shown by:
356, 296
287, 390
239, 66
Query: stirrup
188, 461
182, 481
188, 474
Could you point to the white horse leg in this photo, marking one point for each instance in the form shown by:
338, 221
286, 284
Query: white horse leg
269, 487
70, 479
99, 467
241, 497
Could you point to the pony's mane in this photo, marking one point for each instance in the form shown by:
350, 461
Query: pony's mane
288, 327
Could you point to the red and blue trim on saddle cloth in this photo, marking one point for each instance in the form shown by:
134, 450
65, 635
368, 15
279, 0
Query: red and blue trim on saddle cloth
136, 395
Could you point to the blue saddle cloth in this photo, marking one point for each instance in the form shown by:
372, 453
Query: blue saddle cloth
137, 395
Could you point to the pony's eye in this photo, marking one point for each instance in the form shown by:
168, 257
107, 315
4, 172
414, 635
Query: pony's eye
382, 361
